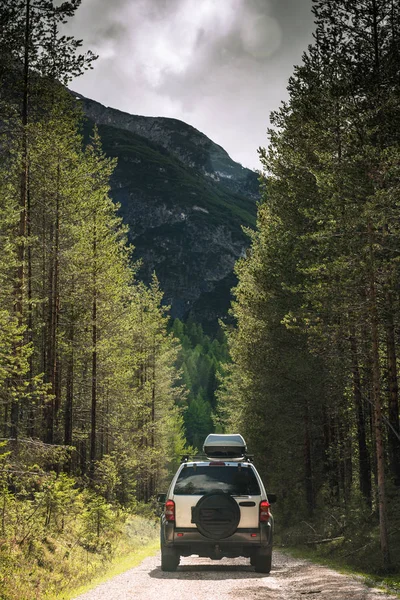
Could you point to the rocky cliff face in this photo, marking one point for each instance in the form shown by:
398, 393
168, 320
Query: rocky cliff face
190, 146
185, 201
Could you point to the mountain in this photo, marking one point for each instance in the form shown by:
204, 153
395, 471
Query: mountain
185, 201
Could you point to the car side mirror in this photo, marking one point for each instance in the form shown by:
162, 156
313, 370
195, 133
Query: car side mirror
272, 498
161, 498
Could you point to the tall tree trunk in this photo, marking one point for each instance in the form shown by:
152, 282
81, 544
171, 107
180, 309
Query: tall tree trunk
376, 385
43, 354
93, 411
20, 276
20, 283
101, 432
363, 453
69, 399
52, 362
107, 427
152, 484
308, 471
94, 356
377, 412
31, 409
394, 429
55, 379
49, 407
347, 462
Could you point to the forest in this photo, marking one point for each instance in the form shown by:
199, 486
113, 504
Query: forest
313, 385
89, 386
101, 393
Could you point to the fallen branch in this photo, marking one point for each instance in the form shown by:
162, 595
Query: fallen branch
310, 526
325, 541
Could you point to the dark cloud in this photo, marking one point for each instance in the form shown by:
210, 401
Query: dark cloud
220, 65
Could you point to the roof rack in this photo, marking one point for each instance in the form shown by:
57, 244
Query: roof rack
187, 457
193, 457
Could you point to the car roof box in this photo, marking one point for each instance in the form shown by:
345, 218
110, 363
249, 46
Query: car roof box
225, 445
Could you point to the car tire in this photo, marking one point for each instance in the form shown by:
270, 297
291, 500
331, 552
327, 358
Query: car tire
169, 557
169, 560
262, 562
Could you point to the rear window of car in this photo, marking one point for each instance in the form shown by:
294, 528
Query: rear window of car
199, 480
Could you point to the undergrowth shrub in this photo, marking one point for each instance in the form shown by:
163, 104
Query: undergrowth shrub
54, 534
347, 532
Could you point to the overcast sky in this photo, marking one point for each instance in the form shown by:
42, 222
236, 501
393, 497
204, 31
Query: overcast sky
219, 65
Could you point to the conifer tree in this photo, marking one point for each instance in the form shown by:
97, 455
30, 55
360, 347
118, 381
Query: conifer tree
34, 54
323, 259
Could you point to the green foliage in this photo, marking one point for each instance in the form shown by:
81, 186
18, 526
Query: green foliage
106, 479
198, 420
89, 391
59, 499
93, 359
97, 519
50, 53
313, 385
201, 361
55, 534
345, 535
43, 560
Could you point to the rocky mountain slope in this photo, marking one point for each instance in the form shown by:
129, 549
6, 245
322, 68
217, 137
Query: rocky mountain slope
185, 201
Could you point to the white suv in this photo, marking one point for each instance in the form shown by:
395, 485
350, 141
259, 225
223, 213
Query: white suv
217, 506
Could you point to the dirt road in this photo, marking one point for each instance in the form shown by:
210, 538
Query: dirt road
233, 579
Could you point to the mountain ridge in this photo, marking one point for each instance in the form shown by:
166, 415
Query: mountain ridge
214, 160
185, 219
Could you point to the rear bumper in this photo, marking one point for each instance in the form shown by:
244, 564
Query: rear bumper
244, 542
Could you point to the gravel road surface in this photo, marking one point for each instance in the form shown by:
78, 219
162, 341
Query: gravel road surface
233, 579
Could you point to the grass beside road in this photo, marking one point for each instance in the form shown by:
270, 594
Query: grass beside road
118, 565
64, 563
138, 539
388, 583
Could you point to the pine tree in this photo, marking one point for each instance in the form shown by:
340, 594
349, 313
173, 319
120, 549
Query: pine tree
323, 259
34, 54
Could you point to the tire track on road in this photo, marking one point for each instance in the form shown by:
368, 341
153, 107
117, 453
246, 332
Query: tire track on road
233, 579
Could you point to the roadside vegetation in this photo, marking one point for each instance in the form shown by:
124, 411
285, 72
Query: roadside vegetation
330, 557
57, 535
89, 390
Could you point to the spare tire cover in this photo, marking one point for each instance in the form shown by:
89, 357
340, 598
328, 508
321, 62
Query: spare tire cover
216, 515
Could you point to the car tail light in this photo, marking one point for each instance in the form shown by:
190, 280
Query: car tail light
264, 510
169, 511
217, 463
